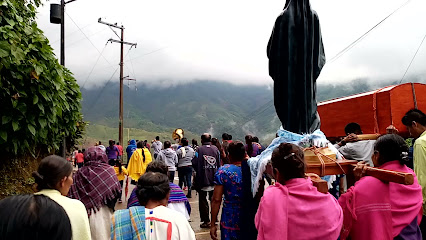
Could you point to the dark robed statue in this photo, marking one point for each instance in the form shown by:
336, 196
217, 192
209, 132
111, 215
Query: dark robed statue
296, 57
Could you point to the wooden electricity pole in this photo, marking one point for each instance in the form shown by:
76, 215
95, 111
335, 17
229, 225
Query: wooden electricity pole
120, 124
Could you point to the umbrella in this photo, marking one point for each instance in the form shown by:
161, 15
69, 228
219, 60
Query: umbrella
126, 189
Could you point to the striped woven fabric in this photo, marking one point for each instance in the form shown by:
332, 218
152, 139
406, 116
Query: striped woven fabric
176, 196
128, 224
96, 183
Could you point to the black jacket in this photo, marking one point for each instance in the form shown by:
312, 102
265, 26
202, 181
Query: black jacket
205, 163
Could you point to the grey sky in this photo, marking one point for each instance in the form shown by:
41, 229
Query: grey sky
226, 40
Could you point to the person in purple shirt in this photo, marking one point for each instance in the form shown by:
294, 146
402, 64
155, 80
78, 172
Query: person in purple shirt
252, 148
112, 152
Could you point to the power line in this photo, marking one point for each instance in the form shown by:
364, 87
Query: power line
91, 35
90, 73
88, 38
258, 109
106, 84
111, 65
253, 115
264, 110
415, 54
132, 71
128, 56
116, 34
110, 78
131, 64
338, 55
148, 53
69, 34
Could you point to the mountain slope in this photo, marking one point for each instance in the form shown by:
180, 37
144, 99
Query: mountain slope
196, 107
202, 106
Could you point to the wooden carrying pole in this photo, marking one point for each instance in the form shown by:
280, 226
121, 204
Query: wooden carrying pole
389, 176
381, 174
320, 184
347, 166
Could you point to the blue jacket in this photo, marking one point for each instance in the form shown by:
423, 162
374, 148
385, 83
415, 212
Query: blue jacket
130, 149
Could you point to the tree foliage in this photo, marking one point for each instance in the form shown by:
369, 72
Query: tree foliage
39, 98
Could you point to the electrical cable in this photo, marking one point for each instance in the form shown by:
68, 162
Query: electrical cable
131, 64
87, 38
415, 54
338, 55
253, 114
126, 56
258, 109
114, 31
148, 53
101, 53
102, 90
350, 46
90, 73
70, 34
91, 35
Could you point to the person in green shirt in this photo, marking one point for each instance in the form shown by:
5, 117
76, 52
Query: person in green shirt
415, 121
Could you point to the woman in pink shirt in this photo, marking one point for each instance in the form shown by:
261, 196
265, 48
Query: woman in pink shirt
377, 210
293, 208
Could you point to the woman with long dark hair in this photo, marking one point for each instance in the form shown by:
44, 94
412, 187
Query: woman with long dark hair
35, 217
228, 183
140, 158
293, 208
251, 147
112, 153
194, 144
53, 179
377, 210
223, 157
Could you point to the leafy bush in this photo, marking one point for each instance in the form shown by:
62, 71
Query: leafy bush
39, 98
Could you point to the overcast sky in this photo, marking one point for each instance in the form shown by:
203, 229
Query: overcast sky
186, 40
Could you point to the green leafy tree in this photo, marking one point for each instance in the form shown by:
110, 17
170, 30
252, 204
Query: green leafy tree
39, 98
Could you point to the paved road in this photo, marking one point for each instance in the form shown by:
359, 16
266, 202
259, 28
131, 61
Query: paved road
200, 233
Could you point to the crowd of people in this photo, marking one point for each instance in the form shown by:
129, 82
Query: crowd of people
81, 205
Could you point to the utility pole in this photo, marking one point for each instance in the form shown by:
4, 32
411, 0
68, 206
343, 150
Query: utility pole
54, 18
122, 42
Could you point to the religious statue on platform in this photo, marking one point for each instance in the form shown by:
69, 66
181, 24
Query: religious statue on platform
296, 57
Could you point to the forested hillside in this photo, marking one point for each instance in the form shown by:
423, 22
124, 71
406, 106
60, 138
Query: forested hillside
198, 107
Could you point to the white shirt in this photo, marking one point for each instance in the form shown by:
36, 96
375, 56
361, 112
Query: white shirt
102, 147
157, 145
179, 207
159, 220
360, 150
